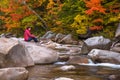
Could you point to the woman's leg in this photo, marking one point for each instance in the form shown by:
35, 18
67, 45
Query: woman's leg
35, 39
30, 39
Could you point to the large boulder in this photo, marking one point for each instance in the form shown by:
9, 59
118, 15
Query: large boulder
15, 73
41, 54
13, 54
104, 56
98, 42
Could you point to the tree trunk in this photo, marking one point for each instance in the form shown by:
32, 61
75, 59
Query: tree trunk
43, 22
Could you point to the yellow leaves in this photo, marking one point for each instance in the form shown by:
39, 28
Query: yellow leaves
79, 24
51, 4
81, 31
3, 3
41, 1
79, 18
119, 16
58, 29
54, 7
113, 19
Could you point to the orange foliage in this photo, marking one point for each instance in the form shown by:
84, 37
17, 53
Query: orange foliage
96, 28
98, 20
94, 5
16, 17
2, 17
58, 22
16, 13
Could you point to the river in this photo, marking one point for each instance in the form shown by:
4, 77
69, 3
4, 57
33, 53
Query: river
81, 72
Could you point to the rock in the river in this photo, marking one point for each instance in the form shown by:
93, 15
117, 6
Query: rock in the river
63, 78
66, 68
77, 60
98, 42
14, 73
104, 56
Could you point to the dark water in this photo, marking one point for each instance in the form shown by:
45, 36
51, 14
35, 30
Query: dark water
50, 72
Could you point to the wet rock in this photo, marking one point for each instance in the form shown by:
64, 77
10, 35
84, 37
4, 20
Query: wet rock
63, 78
77, 60
66, 68
104, 56
114, 77
15, 73
63, 58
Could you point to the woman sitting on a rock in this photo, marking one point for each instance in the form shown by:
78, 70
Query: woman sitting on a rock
28, 36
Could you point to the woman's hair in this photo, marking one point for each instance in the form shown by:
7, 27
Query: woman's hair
28, 27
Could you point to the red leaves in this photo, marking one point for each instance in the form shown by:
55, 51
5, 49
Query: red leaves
94, 5
96, 28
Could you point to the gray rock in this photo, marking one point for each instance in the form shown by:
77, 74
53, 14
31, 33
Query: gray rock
48, 35
41, 54
98, 42
13, 54
104, 56
15, 73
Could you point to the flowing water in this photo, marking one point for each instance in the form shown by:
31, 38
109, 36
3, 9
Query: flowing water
81, 72
88, 71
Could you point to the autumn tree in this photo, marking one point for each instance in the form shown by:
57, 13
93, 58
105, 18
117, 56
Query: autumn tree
64, 16
21, 14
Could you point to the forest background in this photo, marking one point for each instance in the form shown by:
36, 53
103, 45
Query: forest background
60, 16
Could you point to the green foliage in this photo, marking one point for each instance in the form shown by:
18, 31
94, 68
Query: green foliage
29, 20
107, 32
